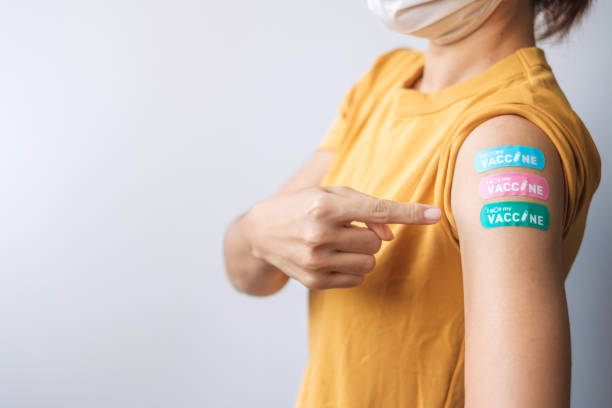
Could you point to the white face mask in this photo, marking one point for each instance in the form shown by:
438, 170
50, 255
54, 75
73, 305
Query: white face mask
441, 21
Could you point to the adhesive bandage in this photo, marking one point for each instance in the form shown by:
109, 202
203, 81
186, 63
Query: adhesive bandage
510, 155
514, 213
514, 184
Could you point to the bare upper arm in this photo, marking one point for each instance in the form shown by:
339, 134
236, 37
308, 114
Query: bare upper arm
517, 333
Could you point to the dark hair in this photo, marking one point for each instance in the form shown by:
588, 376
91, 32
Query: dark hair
558, 16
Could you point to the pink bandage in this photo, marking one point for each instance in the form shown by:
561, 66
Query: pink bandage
514, 184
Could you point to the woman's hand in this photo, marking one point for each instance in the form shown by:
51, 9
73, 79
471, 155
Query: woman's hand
308, 234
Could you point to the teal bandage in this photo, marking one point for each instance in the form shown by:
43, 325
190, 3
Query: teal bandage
511, 155
515, 213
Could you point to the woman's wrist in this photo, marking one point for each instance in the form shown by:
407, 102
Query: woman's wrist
264, 278
247, 226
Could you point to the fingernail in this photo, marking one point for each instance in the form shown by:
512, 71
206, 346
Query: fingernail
432, 214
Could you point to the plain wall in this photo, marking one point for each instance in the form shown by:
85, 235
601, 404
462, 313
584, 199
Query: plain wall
132, 133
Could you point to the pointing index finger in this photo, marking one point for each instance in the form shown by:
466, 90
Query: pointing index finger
376, 210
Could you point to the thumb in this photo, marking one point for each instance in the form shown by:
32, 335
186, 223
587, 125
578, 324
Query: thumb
382, 230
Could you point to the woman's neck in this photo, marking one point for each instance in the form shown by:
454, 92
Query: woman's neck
509, 28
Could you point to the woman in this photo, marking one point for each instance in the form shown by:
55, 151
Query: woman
424, 290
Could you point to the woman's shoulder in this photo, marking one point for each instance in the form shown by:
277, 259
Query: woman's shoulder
535, 86
391, 62
534, 93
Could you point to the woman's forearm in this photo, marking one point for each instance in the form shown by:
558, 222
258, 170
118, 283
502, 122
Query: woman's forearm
247, 273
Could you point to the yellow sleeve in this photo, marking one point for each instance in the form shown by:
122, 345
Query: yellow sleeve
356, 95
333, 137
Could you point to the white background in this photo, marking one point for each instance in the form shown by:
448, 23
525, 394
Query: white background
132, 133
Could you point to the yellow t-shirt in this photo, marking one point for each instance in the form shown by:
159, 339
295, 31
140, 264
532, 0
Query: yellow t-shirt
397, 340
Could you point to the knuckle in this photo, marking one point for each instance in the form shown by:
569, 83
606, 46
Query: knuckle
380, 209
308, 281
369, 263
351, 281
255, 252
375, 244
312, 260
320, 207
313, 282
413, 212
358, 281
315, 236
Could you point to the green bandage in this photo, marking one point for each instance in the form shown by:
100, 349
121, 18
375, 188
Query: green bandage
515, 213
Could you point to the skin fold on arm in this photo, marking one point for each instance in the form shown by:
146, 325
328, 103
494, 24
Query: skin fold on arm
516, 319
